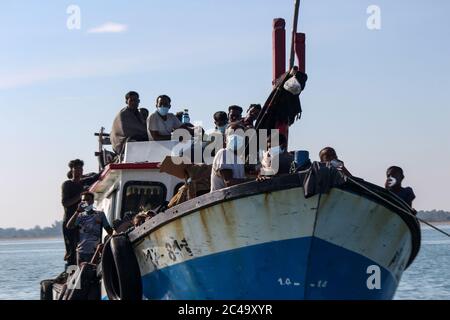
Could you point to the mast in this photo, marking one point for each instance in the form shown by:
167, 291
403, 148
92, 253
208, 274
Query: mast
294, 34
279, 48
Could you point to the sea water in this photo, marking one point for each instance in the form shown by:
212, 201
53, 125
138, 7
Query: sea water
24, 263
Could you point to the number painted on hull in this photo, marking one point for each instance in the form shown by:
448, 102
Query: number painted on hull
172, 251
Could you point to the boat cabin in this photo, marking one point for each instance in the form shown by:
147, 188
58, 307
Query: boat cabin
136, 183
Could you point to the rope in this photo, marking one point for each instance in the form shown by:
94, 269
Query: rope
397, 207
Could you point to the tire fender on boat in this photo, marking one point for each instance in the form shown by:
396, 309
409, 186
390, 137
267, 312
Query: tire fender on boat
47, 290
121, 273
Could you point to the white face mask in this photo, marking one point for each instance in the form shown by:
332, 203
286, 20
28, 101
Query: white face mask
391, 181
86, 207
164, 111
235, 142
222, 129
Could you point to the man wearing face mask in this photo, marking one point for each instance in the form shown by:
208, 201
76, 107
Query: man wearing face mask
220, 121
394, 184
91, 224
71, 191
129, 124
161, 123
228, 168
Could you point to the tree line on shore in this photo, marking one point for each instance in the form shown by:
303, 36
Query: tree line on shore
55, 231
434, 216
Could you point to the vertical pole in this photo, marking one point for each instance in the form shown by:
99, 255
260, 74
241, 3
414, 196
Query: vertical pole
300, 50
279, 48
294, 34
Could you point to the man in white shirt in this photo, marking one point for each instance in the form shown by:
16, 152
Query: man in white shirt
161, 123
228, 167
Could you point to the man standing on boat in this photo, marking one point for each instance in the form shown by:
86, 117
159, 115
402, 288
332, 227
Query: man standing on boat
228, 167
91, 224
129, 124
394, 180
71, 197
220, 121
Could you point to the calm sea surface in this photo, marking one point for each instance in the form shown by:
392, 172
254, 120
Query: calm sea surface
23, 264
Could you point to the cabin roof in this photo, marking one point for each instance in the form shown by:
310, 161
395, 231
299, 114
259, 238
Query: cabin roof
111, 172
152, 151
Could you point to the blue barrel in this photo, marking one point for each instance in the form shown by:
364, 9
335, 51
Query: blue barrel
301, 158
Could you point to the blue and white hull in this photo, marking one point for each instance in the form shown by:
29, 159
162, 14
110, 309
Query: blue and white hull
276, 245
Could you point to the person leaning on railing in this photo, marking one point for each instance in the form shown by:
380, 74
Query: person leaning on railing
394, 179
329, 155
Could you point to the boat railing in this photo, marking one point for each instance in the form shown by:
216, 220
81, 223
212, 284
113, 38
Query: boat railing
103, 155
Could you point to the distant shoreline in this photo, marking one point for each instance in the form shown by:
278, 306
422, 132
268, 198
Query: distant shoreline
435, 223
31, 238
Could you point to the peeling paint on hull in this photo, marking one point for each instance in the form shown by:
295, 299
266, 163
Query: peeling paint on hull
277, 245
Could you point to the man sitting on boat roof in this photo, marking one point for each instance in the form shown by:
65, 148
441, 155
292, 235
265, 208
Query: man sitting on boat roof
161, 123
394, 180
235, 114
129, 124
228, 167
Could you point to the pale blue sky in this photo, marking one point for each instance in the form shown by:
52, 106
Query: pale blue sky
379, 97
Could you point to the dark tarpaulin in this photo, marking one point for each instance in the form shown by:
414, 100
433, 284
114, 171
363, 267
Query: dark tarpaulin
281, 106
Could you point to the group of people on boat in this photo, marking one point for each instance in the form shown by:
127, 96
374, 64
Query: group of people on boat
137, 124
83, 225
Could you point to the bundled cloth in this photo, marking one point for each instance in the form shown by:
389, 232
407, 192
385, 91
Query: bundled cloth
283, 105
